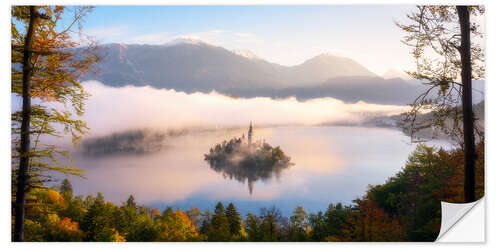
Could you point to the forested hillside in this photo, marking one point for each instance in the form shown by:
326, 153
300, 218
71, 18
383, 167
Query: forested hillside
405, 208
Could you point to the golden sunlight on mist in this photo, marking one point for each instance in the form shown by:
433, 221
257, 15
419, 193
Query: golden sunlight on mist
145, 107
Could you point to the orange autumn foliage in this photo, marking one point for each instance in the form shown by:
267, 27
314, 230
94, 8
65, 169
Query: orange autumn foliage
178, 227
454, 191
56, 66
62, 230
370, 223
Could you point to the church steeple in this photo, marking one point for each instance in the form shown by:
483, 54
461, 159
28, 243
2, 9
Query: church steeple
250, 133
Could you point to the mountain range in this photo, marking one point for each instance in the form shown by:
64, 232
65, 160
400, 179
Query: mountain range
195, 66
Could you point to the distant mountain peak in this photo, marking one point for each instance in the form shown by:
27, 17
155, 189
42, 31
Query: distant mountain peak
328, 57
329, 65
245, 53
396, 73
186, 40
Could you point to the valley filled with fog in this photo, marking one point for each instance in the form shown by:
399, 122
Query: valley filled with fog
151, 143
155, 111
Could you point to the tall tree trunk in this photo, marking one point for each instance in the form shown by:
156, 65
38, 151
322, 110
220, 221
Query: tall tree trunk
22, 176
468, 116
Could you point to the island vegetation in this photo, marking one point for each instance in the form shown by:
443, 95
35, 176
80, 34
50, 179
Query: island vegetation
248, 162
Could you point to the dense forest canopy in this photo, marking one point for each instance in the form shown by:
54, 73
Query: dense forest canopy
405, 208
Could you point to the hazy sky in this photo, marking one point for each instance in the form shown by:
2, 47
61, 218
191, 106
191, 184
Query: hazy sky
287, 35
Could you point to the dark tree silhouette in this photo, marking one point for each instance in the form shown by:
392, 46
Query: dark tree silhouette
468, 116
44, 67
22, 175
447, 61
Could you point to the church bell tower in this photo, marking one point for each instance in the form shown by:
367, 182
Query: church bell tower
250, 134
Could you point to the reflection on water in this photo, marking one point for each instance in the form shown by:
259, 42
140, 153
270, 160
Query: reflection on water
332, 164
247, 161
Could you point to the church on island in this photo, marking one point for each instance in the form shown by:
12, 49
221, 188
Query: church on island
250, 134
256, 160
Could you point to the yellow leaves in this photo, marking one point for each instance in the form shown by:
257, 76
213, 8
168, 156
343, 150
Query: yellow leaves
54, 197
54, 78
52, 218
62, 230
33, 231
53, 62
178, 227
116, 237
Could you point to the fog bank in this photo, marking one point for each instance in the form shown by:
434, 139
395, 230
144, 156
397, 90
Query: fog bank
111, 109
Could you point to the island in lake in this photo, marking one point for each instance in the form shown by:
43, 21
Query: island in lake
247, 161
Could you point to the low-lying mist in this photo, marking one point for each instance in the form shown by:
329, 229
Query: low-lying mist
111, 109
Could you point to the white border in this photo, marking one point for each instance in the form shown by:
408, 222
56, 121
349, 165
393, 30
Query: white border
492, 99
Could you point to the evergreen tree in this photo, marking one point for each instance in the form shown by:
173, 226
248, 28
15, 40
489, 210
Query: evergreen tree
206, 220
219, 226
234, 220
334, 218
252, 227
66, 188
318, 227
169, 211
98, 222
144, 230
131, 202
128, 215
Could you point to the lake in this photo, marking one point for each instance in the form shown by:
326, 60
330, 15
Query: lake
332, 164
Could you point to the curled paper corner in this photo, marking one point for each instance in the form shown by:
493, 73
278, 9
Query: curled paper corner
451, 214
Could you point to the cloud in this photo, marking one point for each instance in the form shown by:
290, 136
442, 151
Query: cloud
109, 32
216, 37
244, 34
154, 38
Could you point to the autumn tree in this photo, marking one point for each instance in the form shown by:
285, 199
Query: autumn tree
448, 51
194, 215
270, 224
62, 230
370, 223
178, 227
299, 225
45, 68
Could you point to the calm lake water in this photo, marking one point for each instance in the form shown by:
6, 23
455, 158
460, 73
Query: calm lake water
332, 164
